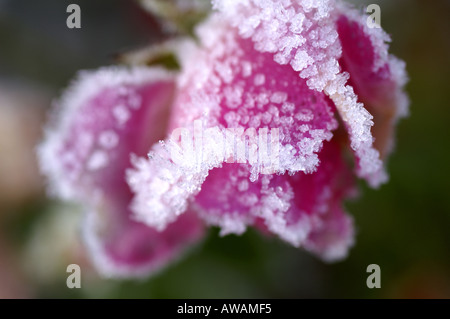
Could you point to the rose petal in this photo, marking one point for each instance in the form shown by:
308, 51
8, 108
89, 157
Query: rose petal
104, 118
303, 209
122, 247
234, 86
377, 77
304, 34
295, 206
332, 236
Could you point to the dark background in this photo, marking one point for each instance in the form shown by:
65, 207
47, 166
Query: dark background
403, 227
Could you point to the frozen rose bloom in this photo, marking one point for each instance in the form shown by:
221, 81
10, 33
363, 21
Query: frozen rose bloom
102, 120
309, 76
312, 70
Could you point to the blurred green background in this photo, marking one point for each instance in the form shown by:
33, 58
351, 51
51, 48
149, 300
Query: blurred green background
403, 227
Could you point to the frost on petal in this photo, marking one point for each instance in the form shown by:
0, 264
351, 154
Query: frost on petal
300, 33
332, 236
304, 34
103, 119
295, 207
228, 198
303, 209
162, 188
233, 86
173, 174
358, 122
377, 77
232, 91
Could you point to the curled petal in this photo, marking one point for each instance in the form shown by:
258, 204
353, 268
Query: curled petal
103, 119
303, 209
122, 247
228, 198
304, 34
377, 77
163, 186
333, 235
295, 207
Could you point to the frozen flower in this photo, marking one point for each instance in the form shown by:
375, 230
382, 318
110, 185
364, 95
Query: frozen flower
309, 72
311, 69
